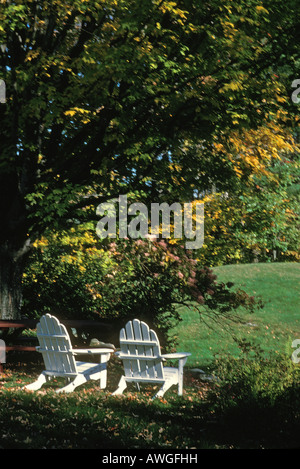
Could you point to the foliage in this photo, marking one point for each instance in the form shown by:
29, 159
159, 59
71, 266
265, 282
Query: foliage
60, 276
254, 380
100, 95
260, 221
271, 212
73, 276
256, 216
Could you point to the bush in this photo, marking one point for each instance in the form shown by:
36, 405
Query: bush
255, 380
77, 277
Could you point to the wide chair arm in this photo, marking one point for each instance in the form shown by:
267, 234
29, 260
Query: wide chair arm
181, 356
92, 351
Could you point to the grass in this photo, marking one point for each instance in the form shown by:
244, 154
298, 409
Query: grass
272, 328
89, 419
255, 402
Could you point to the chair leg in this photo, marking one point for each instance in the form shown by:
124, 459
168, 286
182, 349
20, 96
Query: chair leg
101, 372
164, 389
122, 386
102, 376
99, 375
80, 379
180, 376
37, 384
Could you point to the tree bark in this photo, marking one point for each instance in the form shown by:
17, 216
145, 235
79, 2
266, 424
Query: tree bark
12, 263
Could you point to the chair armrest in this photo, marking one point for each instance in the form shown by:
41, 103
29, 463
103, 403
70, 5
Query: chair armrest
92, 351
180, 356
176, 355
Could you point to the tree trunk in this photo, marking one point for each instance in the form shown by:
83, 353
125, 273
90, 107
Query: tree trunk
12, 264
14, 240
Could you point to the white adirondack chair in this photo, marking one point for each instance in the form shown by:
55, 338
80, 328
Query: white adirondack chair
143, 361
59, 357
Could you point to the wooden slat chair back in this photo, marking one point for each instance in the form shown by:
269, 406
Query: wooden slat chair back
59, 357
55, 347
143, 362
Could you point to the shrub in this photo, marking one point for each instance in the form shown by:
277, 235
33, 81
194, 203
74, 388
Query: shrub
122, 280
255, 380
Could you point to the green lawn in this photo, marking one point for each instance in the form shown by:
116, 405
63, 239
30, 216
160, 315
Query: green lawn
272, 328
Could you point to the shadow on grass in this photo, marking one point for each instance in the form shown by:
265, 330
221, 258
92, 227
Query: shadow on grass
215, 416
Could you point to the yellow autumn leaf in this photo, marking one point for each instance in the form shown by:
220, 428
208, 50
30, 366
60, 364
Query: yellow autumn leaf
70, 113
261, 9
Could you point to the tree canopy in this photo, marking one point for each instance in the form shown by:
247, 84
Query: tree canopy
107, 97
